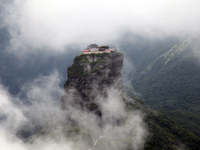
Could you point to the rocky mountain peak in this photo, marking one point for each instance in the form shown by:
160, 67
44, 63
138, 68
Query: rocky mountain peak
90, 76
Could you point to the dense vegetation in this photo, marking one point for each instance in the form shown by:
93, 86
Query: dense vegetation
170, 82
165, 133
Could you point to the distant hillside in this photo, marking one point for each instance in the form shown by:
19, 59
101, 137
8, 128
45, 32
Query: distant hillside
171, 83
164, 133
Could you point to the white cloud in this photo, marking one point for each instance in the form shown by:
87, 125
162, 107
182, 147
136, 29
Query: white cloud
9, 143
44, 95
11, 117
44, 110
58, 23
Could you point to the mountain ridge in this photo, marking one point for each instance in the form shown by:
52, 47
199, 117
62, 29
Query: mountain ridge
171, 83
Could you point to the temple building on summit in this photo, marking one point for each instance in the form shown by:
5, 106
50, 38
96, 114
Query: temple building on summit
94, 48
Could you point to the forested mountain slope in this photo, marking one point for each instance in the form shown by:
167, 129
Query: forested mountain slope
171, 83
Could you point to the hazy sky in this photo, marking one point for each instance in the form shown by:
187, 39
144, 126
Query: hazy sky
57, 23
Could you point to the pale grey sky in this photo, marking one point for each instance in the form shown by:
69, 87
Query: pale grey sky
58, 23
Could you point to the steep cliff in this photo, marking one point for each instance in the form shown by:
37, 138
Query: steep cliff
90, 77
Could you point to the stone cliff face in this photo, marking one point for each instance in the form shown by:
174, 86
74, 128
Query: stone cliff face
90, 77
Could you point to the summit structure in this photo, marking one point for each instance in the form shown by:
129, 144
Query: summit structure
93, 48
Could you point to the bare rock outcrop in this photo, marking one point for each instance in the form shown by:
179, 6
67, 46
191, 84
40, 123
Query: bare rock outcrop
89, 78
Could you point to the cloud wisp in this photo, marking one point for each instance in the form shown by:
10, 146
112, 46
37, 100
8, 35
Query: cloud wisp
41, 110
117, 128
51, 127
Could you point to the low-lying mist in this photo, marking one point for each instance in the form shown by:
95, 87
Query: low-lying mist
41, 124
